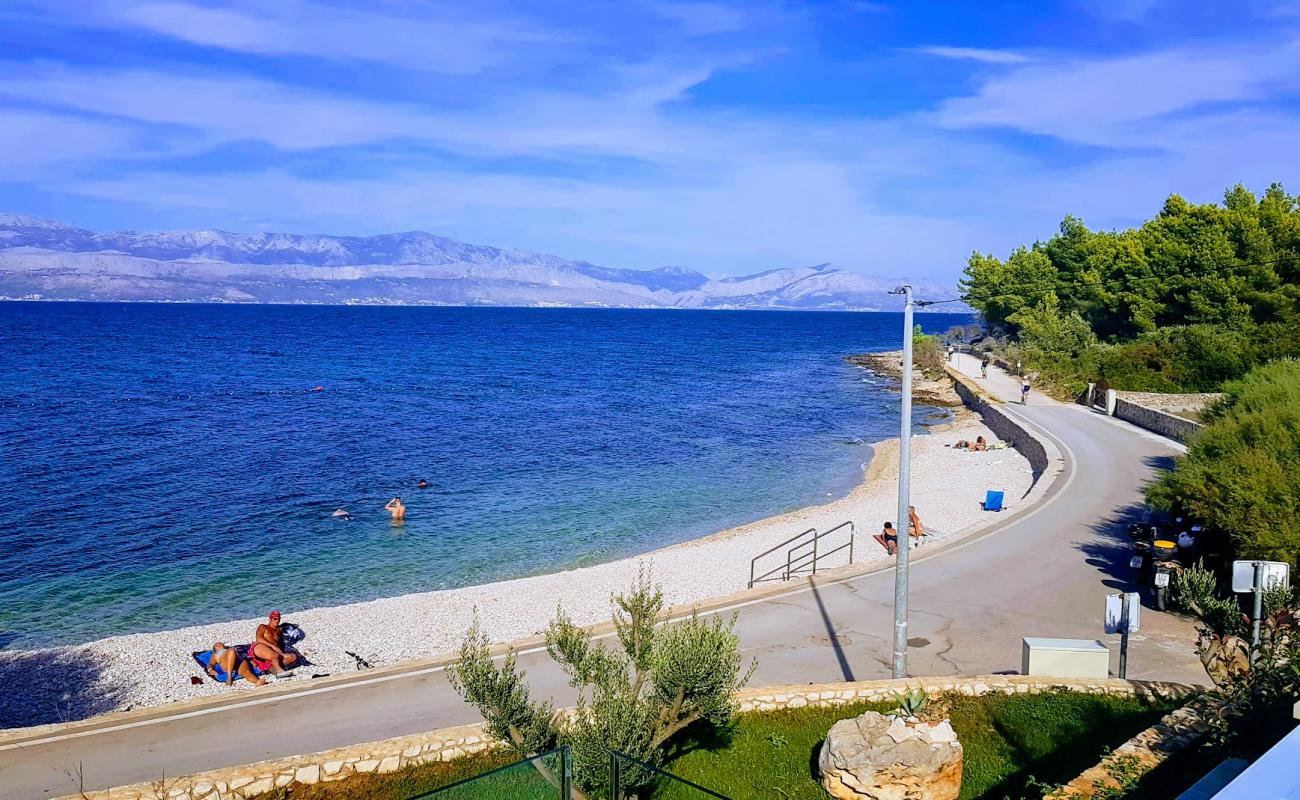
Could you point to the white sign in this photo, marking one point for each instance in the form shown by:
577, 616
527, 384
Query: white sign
1272, 573
1115, 612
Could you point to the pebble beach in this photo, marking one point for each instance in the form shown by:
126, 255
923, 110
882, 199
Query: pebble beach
151, 669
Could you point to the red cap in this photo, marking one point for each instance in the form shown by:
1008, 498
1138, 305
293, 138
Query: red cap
274, 614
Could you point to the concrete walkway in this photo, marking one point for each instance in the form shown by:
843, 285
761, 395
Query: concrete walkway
1041, 573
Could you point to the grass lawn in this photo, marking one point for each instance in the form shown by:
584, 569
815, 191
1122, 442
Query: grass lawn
1013, 744
1009, 742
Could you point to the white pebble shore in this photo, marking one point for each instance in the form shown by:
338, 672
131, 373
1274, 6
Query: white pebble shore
142, 670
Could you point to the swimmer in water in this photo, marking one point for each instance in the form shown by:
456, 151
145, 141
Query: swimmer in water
423, 484
396, 508
342, 513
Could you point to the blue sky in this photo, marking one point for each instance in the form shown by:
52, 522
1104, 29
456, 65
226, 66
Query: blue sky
885, 137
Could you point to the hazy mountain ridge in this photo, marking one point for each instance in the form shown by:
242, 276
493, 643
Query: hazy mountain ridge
45, 259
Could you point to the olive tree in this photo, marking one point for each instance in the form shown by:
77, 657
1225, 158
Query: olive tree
655, 680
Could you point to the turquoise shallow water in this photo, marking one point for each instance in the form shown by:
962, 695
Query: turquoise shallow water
169, 465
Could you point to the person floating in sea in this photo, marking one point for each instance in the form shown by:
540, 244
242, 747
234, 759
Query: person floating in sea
396, 508
888, 538
914, 525
229, 661
267, 649
423, 484
342, 513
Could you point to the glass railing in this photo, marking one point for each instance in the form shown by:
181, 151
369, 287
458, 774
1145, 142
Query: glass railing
545, 776
549, 776
631, 777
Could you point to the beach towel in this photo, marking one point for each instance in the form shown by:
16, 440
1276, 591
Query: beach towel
992, 501
205, 656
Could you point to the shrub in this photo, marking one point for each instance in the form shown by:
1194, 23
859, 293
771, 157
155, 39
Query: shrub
1192, 589
660, 679
1239, 474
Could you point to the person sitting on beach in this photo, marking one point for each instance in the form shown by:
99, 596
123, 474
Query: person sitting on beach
914, 525
980, 445
268, 647
396, 508
888, 538
229, 661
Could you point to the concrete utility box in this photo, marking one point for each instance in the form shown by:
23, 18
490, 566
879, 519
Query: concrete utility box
1065, 658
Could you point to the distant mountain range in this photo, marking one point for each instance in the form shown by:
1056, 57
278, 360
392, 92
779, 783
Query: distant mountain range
41, 259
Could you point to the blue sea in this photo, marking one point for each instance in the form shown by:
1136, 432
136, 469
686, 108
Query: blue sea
165, 465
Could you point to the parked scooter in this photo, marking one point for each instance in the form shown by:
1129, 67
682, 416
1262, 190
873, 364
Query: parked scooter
1158, 555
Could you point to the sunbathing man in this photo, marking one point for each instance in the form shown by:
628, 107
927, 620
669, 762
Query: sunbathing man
232, 664
888, 538
914, 524
980, 445
266, 648
396, 508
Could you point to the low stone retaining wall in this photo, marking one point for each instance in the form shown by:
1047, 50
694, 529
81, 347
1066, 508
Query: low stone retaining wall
1172, 403
1007, 429
1123, 767
390, 755
1155, 420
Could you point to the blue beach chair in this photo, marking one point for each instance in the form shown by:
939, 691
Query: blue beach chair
992, 501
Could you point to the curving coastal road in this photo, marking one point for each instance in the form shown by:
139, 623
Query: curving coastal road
1041, 573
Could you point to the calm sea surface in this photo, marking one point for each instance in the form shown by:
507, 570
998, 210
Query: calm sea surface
169, 465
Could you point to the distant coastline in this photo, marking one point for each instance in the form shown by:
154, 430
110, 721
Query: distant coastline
42, 259
433, 304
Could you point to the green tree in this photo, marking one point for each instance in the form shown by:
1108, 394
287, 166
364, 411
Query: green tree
635, 698
1045, 329
1239, 474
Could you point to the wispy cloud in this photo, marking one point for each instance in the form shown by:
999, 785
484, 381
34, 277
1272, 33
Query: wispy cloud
1098, 101
449, 43
975, 54
704, 18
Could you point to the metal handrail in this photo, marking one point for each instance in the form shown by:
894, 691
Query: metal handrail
753, 561
794, 564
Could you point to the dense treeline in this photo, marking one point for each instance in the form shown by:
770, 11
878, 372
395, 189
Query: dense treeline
1241, 471
1195, 296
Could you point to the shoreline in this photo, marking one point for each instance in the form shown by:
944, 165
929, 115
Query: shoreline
126, 672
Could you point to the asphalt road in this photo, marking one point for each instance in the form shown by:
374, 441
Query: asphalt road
1042, 573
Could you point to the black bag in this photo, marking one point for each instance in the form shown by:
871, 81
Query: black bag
291, 634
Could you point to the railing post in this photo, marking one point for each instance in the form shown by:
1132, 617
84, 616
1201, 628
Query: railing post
566, 773
615, 779
815, 538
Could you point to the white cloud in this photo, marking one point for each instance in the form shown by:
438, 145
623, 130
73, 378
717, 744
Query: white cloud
620, 121
446, 44
703, 18
975, 54
1099, 101
32, 141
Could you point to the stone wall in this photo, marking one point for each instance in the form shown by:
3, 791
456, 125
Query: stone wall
390, 755
1123, 767
1155, 420
237, 783
1007, 429
1173, 403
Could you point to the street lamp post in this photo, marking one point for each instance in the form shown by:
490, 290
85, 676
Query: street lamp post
904, 500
